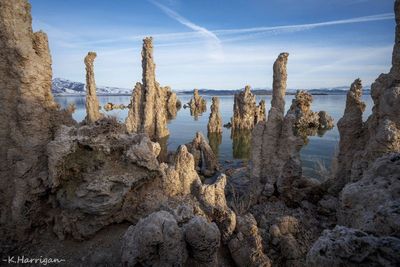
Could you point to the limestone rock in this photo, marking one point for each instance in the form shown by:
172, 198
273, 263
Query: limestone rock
372, 204
246, 114
308, 122
350, 247
92, 103
246, 245
98, 173
203, 239
363, 142
28, 115
213, 202
197, 104
151, 105
181, 175
204, 158
155, 240
215, 120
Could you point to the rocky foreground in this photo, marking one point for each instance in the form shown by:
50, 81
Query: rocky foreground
100, 193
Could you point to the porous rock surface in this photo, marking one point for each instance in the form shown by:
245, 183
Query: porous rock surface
246, 246
197, 104
246, 113
205, 160
28, 115
215, 120
92, 103
151, 105
344, 246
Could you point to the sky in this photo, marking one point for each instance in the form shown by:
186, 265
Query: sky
220, 44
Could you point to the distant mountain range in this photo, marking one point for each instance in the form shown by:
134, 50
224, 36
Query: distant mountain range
64, 87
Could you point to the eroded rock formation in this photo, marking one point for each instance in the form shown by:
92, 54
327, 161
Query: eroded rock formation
92, 103
246, 113
151, 105
197, 104
28, 115
350, 247
110, 106
215, 120
205, 160
308, 122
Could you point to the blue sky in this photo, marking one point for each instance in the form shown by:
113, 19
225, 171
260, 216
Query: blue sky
220, 44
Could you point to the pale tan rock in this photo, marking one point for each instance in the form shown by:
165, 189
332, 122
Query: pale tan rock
246, 114
246, 245
197, 104
301, 106
28, 115
151, 105
215, 120
92, 103
363, 142
213, 202
204, 158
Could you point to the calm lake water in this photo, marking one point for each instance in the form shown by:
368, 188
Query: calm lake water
184, 126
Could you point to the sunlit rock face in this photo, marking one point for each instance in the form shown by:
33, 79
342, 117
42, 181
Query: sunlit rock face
92, 103
151, 105
363, 142
246, 113
215, 120
28, 114
197, 105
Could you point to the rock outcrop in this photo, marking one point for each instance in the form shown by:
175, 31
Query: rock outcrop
246, 246
372, 204
28, 115
205, 160
155, 240
110, 106
197, 105
151, 105
246, 114
344, 246
92, 103
363, 142
215, 120
308, 122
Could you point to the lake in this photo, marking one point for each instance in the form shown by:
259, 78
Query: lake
183, 128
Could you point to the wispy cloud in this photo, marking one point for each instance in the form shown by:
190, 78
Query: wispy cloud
298, 27
213, 39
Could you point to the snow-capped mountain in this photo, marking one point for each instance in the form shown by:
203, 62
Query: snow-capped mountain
62, 87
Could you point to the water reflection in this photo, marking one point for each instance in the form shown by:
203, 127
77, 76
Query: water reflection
241, 144
215, 139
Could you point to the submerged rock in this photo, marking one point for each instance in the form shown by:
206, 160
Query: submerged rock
151, 105
110, 106
92, 103
246, 114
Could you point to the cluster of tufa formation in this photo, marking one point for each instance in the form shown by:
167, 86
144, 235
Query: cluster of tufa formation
309, 122
151, 105
111, 106
102, 185
246, 114
197, 104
